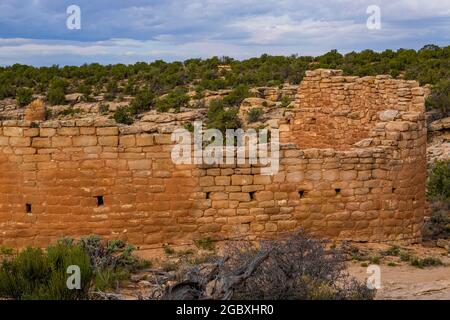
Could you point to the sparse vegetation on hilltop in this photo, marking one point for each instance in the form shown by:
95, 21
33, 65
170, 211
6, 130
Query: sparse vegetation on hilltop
147, 81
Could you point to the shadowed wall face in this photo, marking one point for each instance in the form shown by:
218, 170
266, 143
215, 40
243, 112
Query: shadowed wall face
356, 172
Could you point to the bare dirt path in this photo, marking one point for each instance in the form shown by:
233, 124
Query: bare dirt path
404, 282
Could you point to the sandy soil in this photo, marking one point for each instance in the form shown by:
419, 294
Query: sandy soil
410, 283
405, 282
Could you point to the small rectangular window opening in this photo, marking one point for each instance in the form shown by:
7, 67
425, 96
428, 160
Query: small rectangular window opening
100, 201
28, 208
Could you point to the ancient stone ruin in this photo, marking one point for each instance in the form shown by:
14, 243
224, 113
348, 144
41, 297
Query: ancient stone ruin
352, 166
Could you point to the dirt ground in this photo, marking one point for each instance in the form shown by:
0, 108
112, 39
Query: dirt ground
399, 280
409, 283
405, 282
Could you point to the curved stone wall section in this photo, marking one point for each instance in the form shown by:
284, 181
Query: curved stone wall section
372, 192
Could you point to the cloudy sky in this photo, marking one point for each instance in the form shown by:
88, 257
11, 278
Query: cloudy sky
112, 31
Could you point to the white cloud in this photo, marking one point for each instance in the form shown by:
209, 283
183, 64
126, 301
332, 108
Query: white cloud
177, 29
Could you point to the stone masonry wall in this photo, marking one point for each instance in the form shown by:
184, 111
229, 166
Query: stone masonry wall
81, 177
335, 111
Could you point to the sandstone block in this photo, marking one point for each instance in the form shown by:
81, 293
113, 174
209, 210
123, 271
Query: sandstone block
263, 195
110, 141
397, 126
108, 131
163, 139
13, 132
20, 141
348, 175
84, 141
240, 180
144, 140
222, 180
271, 227
263, 180
127, 141
47, 132
140, 164
61, 142
4, 141
68, 131
242, 196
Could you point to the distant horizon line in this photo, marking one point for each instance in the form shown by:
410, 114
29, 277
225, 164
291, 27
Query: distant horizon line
219, 57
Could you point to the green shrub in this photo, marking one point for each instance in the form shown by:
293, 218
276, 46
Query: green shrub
6, 91
85, 90
205, 244
438, 226
61, 257
112, 261
143, 101
235, 97
71, 111
123, 115
36, 274
175, 99
24, 96
439, 97
221, 118
392, 264
375, 260
6, 251
111, 90
130, 87
48, 114
405, 256
426, 262
110, 278
254, 115
438, 184
285, 102
168, 249
199, 92
392, 251
56, 92
110, 254
189, 127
